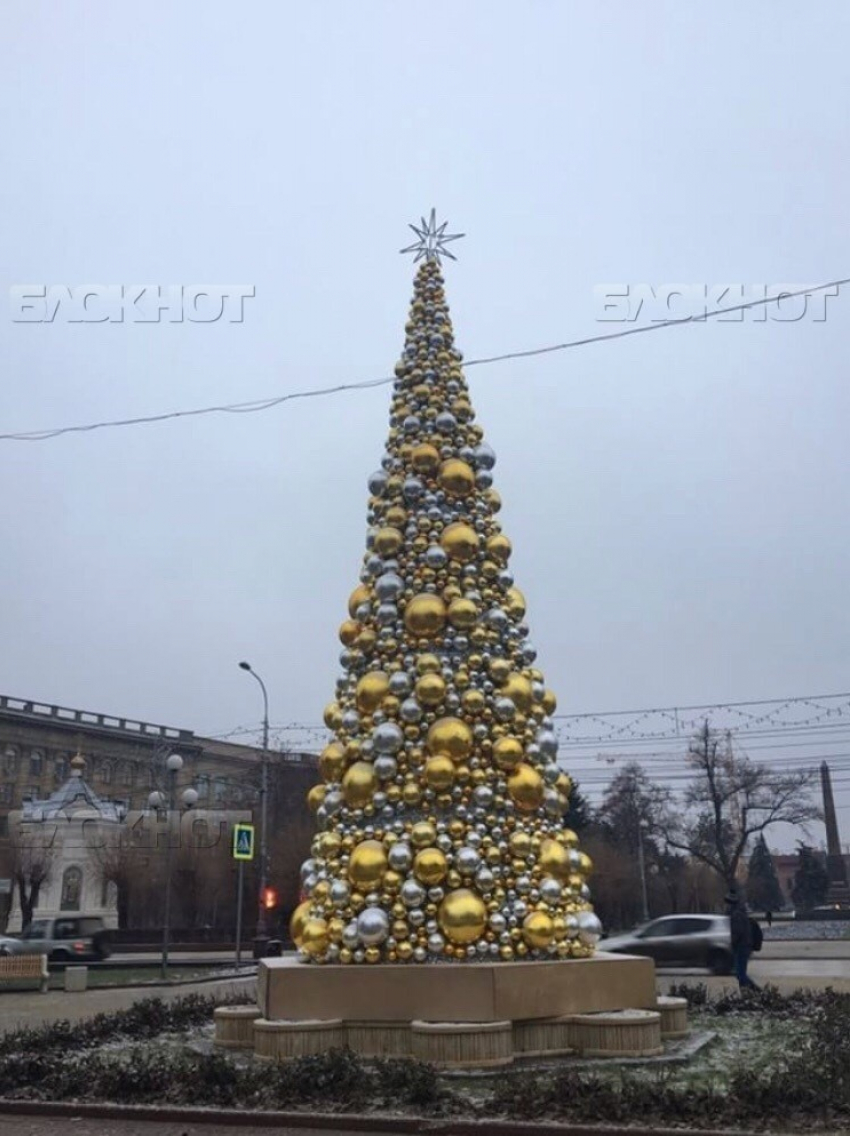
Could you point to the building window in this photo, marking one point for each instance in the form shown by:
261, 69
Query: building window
219, 789
60, 768
4, 826
106, 772
6, 794
125, 774
10, 761
72, 887
36, 763
202, 786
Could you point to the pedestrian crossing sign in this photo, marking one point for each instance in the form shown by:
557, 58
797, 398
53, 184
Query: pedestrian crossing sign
243, 842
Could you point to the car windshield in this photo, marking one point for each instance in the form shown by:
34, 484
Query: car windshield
36, 930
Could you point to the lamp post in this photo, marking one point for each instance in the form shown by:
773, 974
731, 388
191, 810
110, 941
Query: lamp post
261, 936
642, 868
159, 800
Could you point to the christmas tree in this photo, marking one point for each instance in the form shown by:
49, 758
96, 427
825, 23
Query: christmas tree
440, 814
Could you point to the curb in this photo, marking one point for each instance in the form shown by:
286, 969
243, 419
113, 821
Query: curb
341, 1121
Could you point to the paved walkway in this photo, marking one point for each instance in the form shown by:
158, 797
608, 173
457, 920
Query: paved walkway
11, 1125
30, 1008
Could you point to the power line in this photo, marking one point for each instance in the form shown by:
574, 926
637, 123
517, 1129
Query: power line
257, 405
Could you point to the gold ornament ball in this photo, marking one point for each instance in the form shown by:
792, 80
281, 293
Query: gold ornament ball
554, 860
518, 689
520, 843
508, 753
332, 762
473, 701
314, 937
425, 616
456, 477
411, 794
499, 548
360, 595
462, 614
462, 916
371, 691
538, 929
368, 864
525, 786
422, 834
460, 542
451, 737
430, 867
299, 921
316, 796
550, 702
388, 541
515, 603
430, 689
499, 670
349, 632
425, 458
439, 773
332, 716
358, 784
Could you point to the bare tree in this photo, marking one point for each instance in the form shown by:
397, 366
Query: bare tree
729, 801
31, 862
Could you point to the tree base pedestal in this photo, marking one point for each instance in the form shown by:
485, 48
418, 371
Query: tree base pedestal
457, 1015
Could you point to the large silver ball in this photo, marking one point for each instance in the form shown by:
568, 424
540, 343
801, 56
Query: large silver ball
410, 710
505, 709
483, 796
435, 556
412, 489
550, 890
373, 926
436, 942
485, 456
400, 683
412, 894
497, 922
589, 928
400, 856
387, 738
377, 483
350, 935
308, 868
446, 422
548, 743
389, 586
385, 766
467, 860
387, 614
339, 892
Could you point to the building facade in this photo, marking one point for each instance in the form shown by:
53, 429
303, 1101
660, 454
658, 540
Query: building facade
125, 761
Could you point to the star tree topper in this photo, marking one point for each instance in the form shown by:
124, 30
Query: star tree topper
432, 238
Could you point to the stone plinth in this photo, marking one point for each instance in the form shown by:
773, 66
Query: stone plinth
674, 1016
281, 1041
455, 1045
234, 1026
631, 1033
544, 1037
76, 979
289, 990
379, 1039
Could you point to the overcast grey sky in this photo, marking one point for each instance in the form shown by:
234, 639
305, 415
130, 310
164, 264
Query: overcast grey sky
677, 501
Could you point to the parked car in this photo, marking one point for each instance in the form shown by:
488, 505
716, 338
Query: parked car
679, 940
67, 938
6, 945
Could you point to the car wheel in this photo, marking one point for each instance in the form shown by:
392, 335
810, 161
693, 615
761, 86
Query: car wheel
5, 952
719, 963
60, 956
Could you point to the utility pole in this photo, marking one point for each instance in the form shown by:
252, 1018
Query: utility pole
261, 936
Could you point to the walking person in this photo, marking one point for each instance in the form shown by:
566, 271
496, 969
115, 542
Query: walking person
741, 930
768, 915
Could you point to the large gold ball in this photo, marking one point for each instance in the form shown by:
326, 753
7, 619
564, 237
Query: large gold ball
525, 786
520, 843
439, 773
493, 499
388, 541
515, 603
425, 458
430, 689
550, 702
360, 595
368, 864
371, 690
460, 542
518, 689
456, 477
499, 547
333, 716
462, 916
358, 784
499, 670
316, 796
585, 865
425, 616
451, 737
554, 860
508, 753
422, 834
314, 937
396, 516
411, 794
473, 701
348, 632
430, 867
299, 921
428, 664
538, 929
332, 762
462, 613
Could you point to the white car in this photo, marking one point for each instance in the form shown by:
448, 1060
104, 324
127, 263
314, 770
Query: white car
679, 940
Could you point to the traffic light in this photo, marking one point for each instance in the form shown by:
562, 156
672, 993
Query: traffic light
269, 898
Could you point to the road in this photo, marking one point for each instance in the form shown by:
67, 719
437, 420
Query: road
86, 1126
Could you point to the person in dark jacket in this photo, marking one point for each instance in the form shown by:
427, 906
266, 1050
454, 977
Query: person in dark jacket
742, 938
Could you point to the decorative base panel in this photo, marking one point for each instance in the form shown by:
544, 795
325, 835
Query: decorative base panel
674, 1016
454, 992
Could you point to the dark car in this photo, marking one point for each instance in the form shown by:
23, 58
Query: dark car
679, 940
67, 938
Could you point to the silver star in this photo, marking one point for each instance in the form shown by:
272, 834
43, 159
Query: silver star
432, 238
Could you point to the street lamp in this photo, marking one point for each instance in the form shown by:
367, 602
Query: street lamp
159, 800
261, 936
642, 869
